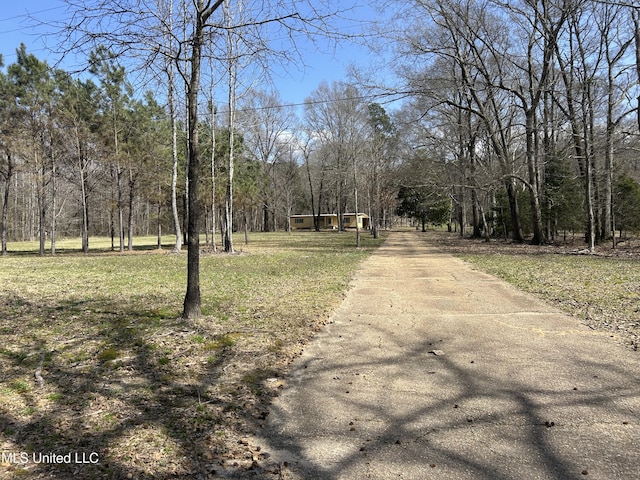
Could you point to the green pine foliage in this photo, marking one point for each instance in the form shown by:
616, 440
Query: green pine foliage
627, 204
563, 198
424, 205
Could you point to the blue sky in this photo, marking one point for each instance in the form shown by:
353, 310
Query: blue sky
323, 62
16, 26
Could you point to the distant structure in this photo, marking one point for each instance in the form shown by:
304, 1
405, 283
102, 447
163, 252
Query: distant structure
329, 221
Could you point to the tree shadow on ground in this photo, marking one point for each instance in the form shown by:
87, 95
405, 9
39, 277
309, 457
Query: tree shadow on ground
126, 393
447, 417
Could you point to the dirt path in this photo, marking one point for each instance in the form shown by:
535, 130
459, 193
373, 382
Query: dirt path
430, 369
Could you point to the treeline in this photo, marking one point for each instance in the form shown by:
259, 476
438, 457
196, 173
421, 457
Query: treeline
527, 114
80, 157
518, 119
92, 157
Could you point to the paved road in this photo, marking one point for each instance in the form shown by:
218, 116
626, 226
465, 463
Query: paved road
431, 370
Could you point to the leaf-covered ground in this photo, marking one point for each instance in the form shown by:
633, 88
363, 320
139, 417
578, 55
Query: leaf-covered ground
128, 389
602, 289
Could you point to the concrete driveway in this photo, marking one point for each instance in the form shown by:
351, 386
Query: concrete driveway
432, 370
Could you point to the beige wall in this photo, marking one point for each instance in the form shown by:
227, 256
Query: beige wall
306, 221
327, 221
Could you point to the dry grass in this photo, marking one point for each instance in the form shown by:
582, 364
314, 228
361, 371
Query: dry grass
133, 387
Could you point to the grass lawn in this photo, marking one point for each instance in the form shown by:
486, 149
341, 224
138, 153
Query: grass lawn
130, 386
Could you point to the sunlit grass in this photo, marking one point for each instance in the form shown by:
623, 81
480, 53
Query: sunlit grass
96, 244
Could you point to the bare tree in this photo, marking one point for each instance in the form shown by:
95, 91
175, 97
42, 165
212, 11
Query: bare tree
579, 72
617, 37
309, 149
382, 146
167, 29
541, 26
232, 60
267, 126
131, 27
212, 164
338, 117
192, 302
635, 13
116, 92
470, 46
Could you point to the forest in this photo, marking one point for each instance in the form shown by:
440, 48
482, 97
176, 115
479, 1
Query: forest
514, 120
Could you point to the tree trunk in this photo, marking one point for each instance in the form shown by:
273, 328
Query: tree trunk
177, 246
608, 229
42, 207
159, 223
316, 221
192, 299
228, 211
232, 72
355, 193
475, 211
636, 23
245, 222
118, 180
516, 226
120, 208
591, 223
213, 171
608, 218
84, 200
3, 226
534, 175
53, 204
185, 210
112, 226
5, 202
462, 211
131, 203
485, 225
462, 204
